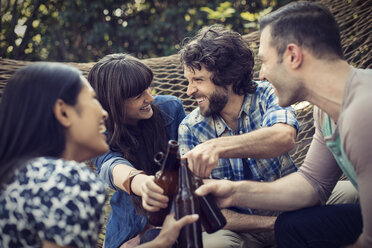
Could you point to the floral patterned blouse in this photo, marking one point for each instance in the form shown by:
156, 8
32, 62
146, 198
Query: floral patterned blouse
54, 200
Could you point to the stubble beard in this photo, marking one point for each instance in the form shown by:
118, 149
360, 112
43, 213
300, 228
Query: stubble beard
217, 101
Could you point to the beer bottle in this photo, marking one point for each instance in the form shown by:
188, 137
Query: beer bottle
159, 157
167, 179
211, 216
186, 203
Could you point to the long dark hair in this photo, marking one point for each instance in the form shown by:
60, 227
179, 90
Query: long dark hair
28, 126
224, 53
306, 24
116, 78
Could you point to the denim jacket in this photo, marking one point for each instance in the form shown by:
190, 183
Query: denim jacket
123, 222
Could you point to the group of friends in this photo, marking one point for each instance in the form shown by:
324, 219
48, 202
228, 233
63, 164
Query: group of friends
238, 139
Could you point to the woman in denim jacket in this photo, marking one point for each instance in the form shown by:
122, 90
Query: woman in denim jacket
139, 125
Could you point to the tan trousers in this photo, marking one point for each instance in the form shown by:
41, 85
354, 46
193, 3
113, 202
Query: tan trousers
227, 238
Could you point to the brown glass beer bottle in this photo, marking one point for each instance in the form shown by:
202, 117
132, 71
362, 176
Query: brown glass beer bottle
211, 216
167, 179
186, 203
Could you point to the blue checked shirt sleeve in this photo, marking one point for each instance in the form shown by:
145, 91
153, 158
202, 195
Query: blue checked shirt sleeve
186, 139
273, 112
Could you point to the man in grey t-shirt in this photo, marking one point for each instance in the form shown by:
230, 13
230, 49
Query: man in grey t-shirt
301, 56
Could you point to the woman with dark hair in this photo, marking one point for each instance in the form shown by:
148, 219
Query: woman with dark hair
50, 120
139, 126
48, 117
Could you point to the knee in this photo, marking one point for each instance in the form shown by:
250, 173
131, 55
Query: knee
287, 228
284, 224
221, 239
343, 193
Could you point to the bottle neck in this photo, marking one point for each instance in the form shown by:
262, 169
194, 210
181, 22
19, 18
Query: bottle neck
172, 159
171, 162
184, 176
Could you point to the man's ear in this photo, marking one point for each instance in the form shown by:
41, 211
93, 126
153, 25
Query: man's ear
294, 56
61, 112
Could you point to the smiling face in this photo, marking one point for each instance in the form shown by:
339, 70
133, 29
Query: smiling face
210, 98
277, 71
139, 107
85, 135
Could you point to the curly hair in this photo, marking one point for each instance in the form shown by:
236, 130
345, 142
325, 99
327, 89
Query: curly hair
225, 54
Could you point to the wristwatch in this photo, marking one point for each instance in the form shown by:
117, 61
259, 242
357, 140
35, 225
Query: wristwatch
128, 182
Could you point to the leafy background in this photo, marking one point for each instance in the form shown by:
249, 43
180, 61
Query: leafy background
85, 31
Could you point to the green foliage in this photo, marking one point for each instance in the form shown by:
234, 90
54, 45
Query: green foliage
85, 31
223, 11
253, 18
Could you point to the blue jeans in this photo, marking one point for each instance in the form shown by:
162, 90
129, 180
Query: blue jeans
151, 235
322, 226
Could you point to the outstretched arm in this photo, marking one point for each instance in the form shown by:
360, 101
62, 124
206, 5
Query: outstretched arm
141, 185
114, 169
288, 193
266, 142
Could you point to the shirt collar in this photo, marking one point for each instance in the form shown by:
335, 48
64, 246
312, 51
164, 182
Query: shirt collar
220, 125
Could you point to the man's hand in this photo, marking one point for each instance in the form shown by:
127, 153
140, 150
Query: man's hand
223, 191
203, 158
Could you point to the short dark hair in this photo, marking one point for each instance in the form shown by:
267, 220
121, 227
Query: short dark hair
307, 24
115, 78
225, 54
28, 126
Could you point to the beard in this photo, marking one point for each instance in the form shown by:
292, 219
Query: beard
217, 101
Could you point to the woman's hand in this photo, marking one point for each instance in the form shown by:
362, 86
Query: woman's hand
151, 193
170, 231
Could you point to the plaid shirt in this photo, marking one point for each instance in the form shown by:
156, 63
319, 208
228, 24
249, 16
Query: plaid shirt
259, 110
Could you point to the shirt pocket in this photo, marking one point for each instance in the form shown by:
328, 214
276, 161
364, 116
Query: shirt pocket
223, 170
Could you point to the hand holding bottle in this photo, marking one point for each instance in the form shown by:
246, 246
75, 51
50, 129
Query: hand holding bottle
222, 190
170, 231
167, 179
153, 198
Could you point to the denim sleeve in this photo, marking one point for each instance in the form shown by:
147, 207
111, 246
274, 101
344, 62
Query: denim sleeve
181, 112
172, 112
106, 163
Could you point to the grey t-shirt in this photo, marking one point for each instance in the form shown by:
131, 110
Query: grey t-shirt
354, 128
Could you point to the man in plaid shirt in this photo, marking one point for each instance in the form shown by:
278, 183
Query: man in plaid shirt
219, 68
238, 132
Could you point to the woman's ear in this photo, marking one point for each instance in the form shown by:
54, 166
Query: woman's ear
61, 112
